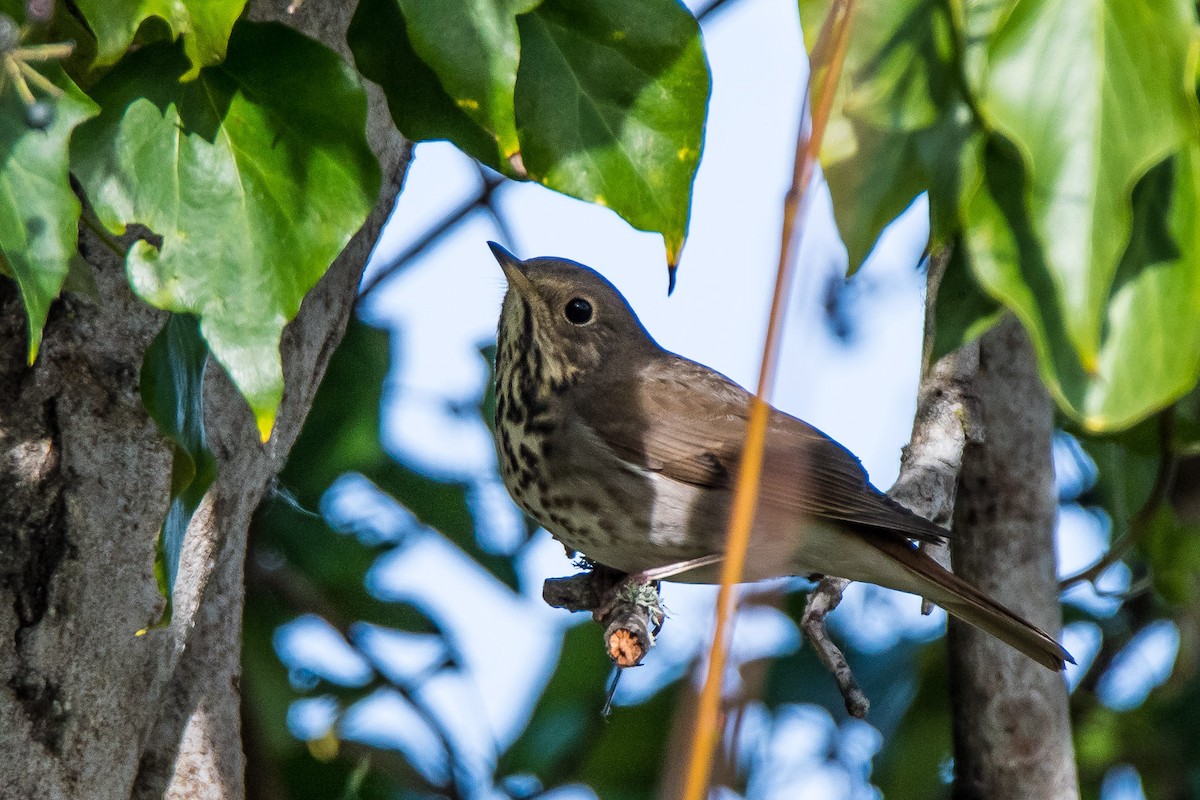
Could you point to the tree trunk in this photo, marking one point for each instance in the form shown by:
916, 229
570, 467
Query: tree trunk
1012, 730
88, 709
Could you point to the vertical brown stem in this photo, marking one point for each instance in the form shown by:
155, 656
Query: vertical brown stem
1012, 731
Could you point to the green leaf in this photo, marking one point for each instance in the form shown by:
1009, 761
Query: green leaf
1008, 263
962, 312
872, 185
1150, 349
473, 48
172, 387
254, 175
1092, 94
898, 125
204, 26
897, 73
611, 100
39, 214
1149, 353
420, 107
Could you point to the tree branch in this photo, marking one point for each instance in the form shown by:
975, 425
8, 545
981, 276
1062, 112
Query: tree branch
822, 600
1012, 730
630, 612
928, 478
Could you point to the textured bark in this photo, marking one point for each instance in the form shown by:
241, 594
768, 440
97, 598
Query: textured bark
88, 709
1012, 730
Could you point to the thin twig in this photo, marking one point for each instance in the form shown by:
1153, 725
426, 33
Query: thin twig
480, 200
821, 601
1139, 524
928, 479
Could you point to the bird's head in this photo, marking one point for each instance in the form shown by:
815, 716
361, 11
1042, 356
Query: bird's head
565, 315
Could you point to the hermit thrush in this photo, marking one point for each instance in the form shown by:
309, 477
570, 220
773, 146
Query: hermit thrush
627, 454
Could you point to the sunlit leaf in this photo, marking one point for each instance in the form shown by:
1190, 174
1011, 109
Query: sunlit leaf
1149, 353
611, 101
473, 48
204, 26
898, 125
39, 213
419, 105
872, 186
254, 175
1092, 94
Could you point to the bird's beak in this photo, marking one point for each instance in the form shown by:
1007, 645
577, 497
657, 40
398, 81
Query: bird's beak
514, 270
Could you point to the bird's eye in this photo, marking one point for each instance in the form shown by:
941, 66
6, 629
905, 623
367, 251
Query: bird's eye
578, 311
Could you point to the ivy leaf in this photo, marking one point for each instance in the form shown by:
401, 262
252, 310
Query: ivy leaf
1149, 354
897, 73
871, 185
204, 26
1150, 349
474, 49
898, 125
255, 176
611, 100
421, 108
1118, 103
172, 386
607, 102
39, 214
963, 312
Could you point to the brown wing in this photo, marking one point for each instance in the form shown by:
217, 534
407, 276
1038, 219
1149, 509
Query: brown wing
699, 426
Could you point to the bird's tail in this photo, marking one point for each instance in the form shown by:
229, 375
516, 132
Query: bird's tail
934, 582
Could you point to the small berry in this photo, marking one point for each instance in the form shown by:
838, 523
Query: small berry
10, 34
40, 115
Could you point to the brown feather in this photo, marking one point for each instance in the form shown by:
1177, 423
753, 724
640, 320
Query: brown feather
964, 601
700, 419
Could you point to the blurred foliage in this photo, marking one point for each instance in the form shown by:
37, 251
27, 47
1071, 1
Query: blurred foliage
299, 565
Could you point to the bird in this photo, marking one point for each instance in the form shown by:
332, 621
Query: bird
628, 453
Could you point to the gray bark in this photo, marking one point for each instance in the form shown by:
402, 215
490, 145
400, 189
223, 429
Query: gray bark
1012, 730
88, 709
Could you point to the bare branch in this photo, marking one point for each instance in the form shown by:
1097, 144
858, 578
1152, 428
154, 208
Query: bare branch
928, 473
821, 601
629, 611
